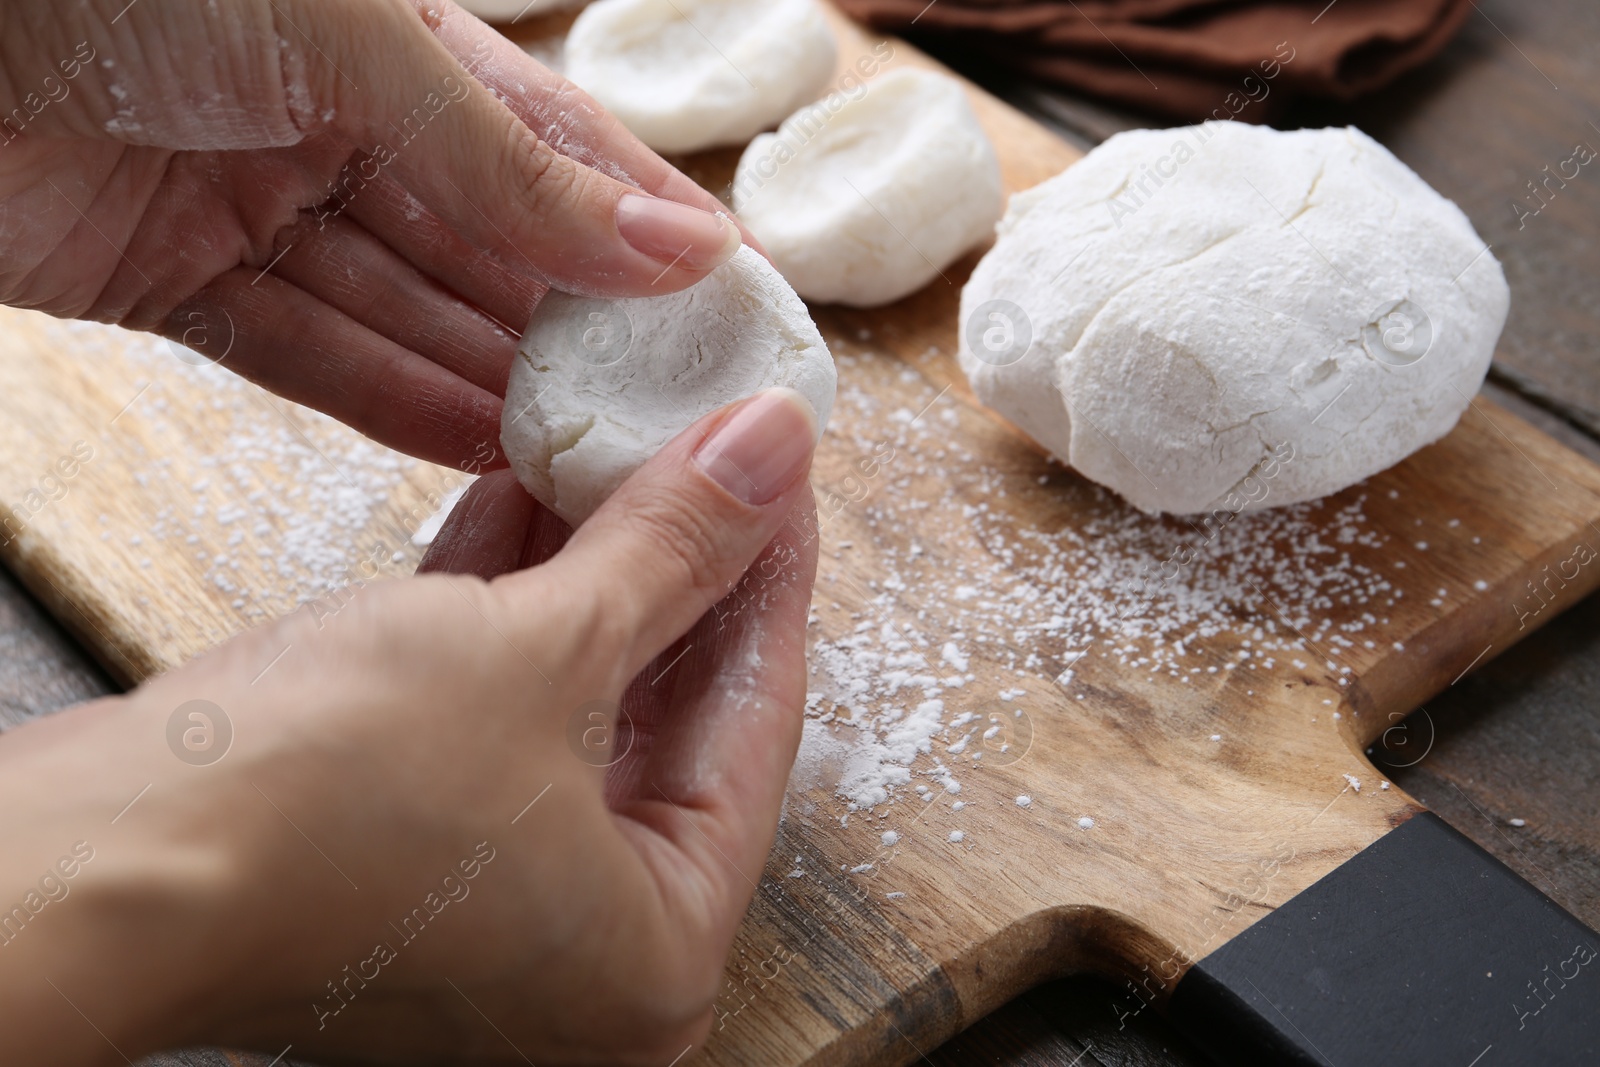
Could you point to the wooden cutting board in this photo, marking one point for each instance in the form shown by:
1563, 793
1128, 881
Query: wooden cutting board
1125, 767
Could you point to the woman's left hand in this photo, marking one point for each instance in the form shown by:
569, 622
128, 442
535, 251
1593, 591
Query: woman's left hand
391, 829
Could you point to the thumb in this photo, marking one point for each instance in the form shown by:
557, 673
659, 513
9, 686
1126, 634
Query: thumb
680, 533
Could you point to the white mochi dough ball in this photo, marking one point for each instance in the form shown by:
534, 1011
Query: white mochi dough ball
512, 10
1170, 310
690, 74
599, 385
864, 198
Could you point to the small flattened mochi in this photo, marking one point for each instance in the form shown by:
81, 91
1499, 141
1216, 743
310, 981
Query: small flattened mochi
864, 198
684, 75
599, 385
1229, 316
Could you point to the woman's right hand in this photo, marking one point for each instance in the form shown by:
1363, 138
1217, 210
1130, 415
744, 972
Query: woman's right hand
356, 203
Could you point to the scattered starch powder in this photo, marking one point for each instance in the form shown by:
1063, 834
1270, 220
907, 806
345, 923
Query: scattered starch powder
886, 719
1519, 823
956, 837
883, 712
1028, 600
880, 697
1355, 783
1024, 801
890, 839
309, 531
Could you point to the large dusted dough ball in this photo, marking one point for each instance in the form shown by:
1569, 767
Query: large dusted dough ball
862, 199
598, 386
690, 74
1181, 303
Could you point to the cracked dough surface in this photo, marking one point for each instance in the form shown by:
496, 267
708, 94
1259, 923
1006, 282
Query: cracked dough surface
599, 385
690, 74
1199, 296
863, 199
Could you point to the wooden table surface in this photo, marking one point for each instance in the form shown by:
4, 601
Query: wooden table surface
1519, 739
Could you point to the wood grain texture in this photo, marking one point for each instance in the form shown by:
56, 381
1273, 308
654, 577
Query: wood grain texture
1184, 826
884, 978
1070, 1023
157, 508
1439, 120
1177, 826
1520, 739
1481, 99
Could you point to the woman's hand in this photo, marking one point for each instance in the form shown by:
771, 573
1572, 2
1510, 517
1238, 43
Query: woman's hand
356, 203
410, 852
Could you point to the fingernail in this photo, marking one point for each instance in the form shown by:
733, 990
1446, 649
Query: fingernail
676, 234
758, 451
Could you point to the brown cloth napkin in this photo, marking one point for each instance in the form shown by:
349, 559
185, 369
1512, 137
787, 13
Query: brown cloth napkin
1191, 59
